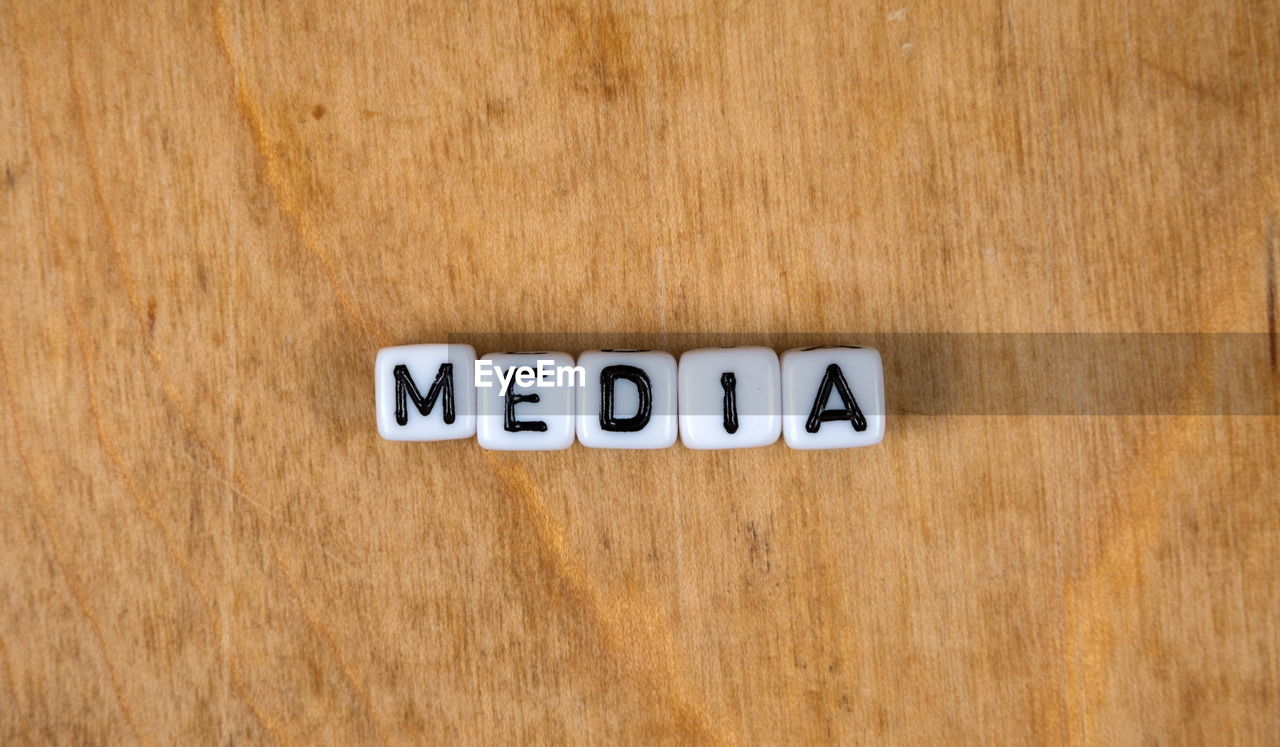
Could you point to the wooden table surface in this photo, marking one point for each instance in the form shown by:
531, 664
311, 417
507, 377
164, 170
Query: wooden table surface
214, 214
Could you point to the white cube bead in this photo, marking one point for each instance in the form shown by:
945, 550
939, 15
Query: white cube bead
730, 398
530, 416
629, 400
832, 397
425, 392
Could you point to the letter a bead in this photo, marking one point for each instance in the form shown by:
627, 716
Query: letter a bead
832, 397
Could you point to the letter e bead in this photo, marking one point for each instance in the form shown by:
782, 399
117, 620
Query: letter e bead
530, 414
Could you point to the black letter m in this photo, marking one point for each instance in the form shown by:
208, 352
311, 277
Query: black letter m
406, 389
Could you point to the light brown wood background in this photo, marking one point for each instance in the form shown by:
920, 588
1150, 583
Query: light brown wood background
214, 214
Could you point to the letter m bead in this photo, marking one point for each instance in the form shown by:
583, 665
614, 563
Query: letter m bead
425, 392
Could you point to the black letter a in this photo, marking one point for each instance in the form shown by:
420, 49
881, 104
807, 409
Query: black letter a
405, 386
851, 412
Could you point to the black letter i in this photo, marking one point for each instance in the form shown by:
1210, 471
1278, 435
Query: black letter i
730, 384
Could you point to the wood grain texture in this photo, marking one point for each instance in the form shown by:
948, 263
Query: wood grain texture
214, 214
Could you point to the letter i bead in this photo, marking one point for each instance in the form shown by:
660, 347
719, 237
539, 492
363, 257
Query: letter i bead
730, 398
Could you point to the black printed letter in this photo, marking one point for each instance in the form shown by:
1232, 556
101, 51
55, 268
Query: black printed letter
730, 384
509, 422
405, 386
608, 378
851, 411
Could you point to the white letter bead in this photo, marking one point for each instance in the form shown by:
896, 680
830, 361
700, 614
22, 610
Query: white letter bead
832, 397
730, 398
629, 400
529, 417
425, 392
